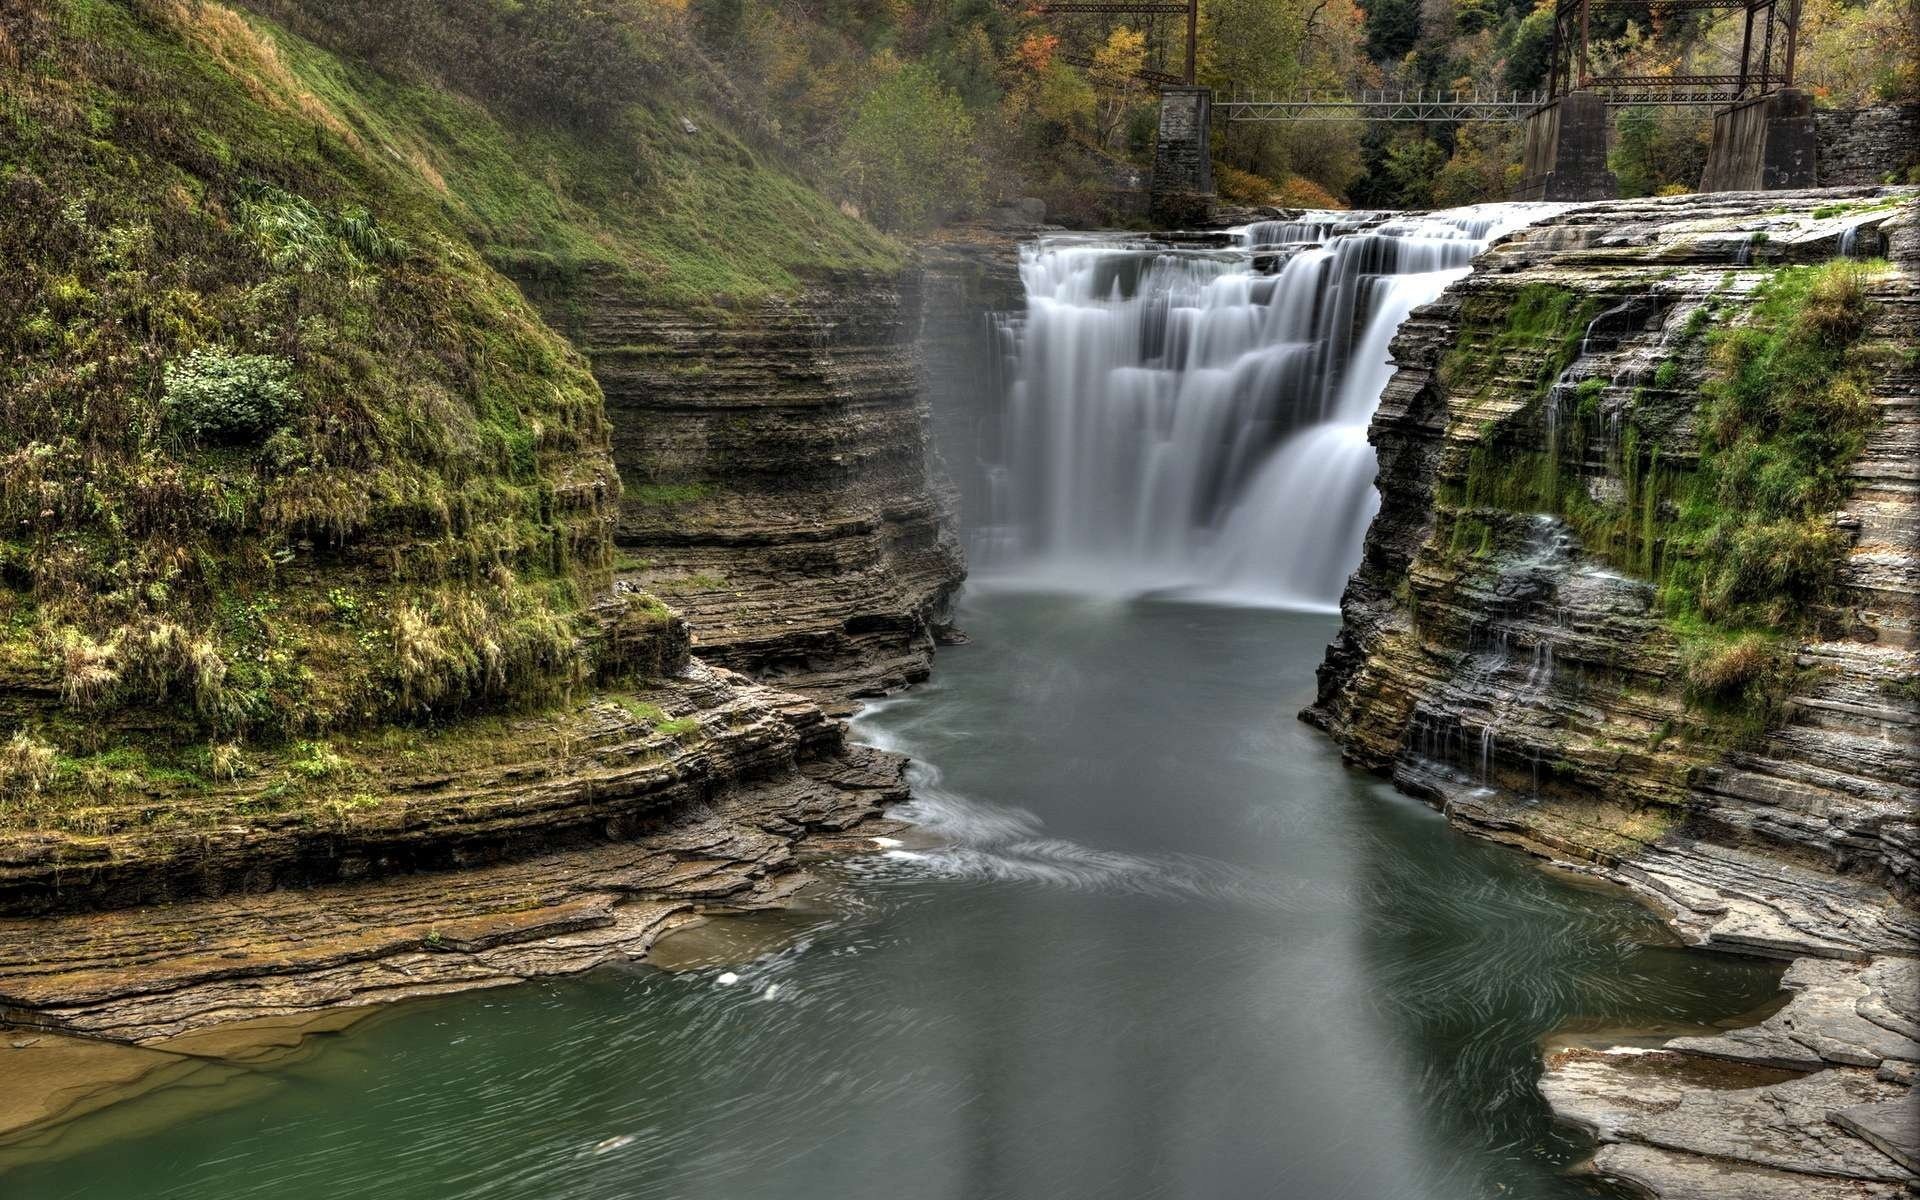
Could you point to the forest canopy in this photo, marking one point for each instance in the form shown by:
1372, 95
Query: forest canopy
1009, 101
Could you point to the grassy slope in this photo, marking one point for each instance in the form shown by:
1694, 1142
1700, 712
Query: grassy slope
420, 534
693, 217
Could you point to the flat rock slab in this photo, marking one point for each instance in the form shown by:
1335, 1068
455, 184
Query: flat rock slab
1697, 1107
1893, 1126
1674, 1176
1728, 898
1843, 1013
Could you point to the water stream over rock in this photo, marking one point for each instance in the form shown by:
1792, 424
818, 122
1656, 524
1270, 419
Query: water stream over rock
1194, 417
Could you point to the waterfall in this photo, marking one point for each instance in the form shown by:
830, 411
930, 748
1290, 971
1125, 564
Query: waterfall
1192, 417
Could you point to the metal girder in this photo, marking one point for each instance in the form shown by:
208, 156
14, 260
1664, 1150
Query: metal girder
1379, 105
1144, 74
1601, 83
1188, 8
1076, 7
1672, 98
1768, 25
1664, 6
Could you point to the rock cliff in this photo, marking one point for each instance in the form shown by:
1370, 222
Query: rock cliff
319, 574
1540, 635
781, 488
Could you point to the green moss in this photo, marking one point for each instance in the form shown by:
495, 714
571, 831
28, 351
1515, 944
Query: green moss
1787, 411
1531, 340
1740, 540
642, 711
1851, 207
650, 714
691, 583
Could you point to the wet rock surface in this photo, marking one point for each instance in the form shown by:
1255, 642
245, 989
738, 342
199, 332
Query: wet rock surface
1533, 693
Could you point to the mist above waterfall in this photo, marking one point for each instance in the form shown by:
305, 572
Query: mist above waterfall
1193, 418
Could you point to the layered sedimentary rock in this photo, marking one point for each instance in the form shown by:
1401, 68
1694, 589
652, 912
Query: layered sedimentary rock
173, 970
1865, 145
536, 844
781, 487
407, 863
1532, 686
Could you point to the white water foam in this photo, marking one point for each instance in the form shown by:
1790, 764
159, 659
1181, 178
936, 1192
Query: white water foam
1194, 419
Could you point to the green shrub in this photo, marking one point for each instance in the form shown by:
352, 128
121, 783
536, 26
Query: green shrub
214, 396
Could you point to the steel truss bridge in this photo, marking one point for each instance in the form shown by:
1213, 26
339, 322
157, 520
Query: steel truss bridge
1769, 39
1377, 104
1770, 33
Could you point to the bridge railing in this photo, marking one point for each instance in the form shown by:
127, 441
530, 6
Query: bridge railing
1379, 104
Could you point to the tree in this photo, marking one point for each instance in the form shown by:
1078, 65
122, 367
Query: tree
1116, 72
1392, 28
1281, 45
1484, 154
1632, 158
908, 156
1529, 52
1410, 168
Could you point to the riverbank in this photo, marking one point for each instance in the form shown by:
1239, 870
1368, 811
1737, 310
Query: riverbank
101, 1007
1142, 935
1523, 648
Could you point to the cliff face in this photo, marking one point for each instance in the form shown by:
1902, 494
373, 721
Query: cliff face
1538, 638
1481, 635
780, 484
319, 574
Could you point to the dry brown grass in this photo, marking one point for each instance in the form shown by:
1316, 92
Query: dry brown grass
88, 670
27, 766
1729, 668
1836, 305
253, 59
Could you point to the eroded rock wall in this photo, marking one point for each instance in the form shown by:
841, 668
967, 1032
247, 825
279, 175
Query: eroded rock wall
1533, 687
1485, 640
780, 484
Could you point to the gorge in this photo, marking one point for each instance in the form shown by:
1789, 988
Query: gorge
449, 549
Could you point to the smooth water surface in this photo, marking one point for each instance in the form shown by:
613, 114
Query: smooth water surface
1171, 948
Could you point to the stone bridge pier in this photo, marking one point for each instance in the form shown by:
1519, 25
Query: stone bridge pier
1766, 144
1565, 156
1181, 193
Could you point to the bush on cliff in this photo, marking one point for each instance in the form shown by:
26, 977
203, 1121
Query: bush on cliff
907, 156
214, 396
1786, 412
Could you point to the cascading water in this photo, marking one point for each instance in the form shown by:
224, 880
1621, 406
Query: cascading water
1194, 418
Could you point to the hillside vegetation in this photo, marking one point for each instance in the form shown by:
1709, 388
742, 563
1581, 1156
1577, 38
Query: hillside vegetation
282, 450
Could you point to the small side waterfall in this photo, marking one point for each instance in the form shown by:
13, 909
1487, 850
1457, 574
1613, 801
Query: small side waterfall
1194, 418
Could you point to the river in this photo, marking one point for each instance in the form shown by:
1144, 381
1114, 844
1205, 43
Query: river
1154, 940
